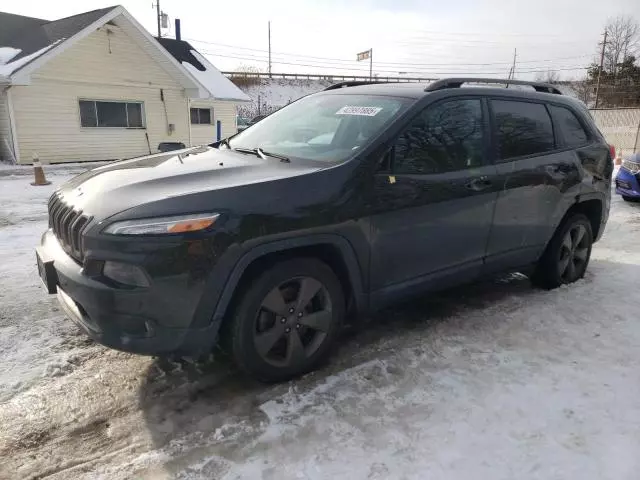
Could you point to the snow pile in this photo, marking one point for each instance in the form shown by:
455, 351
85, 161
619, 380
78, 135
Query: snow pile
219, 86
274, 93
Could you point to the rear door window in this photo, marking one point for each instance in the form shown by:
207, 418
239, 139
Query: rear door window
522, 129
570, 127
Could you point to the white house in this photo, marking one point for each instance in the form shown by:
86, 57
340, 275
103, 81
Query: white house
98, 86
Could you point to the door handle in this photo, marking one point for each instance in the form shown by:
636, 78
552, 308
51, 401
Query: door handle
478, 184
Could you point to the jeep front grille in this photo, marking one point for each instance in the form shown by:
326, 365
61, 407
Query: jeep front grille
67, 225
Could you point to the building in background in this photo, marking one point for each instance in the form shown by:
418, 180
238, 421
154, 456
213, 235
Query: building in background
98, 86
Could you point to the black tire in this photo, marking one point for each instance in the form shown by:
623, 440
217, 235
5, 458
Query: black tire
629, 199
566, 257
315, 325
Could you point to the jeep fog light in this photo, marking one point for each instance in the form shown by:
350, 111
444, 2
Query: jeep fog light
125, 273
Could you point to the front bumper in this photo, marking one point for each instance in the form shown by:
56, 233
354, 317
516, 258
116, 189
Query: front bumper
627, 184
124, 319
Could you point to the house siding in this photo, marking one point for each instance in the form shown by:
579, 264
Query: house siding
102, 66
226, 112
223, 111
6, 140
203, 134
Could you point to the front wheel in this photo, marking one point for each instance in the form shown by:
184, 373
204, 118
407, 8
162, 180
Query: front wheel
286, 322
626, 198
566, 257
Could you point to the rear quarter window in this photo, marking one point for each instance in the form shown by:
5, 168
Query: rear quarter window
522, 129
571, 130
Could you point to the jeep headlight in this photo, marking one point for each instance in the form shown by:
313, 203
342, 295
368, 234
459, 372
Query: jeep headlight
163, 225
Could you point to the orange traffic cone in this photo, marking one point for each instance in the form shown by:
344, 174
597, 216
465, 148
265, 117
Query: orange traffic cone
38, 173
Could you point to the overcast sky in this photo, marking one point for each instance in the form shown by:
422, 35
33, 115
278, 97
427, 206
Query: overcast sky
410, 37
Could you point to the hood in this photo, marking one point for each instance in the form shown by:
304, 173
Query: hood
119, 186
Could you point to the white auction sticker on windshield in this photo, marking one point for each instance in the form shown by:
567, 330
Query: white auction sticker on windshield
364, 111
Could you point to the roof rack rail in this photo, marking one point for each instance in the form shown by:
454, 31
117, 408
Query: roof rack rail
352, 83
457, 83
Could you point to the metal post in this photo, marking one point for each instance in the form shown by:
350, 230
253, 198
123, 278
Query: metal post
370, 64
604, 43
269, 48
635, 144
158, 13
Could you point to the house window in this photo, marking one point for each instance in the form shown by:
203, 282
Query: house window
201, 116
94, 113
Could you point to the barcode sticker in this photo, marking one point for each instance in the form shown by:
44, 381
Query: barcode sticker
363, 111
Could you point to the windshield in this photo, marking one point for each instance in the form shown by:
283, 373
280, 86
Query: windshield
322, 127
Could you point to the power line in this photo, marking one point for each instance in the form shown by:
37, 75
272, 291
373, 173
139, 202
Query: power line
426, 71
338, 61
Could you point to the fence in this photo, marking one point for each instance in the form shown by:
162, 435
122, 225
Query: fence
621, 128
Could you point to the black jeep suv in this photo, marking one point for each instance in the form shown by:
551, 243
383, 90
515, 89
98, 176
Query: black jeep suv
344, 201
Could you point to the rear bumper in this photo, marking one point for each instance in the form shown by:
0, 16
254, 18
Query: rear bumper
627, 184
126, 320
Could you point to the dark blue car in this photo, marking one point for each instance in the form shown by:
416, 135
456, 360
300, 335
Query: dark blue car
628, 178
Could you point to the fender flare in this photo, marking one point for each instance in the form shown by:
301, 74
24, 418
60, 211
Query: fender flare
347, 252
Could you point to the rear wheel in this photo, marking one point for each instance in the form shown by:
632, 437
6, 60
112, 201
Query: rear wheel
286, 322
566, 257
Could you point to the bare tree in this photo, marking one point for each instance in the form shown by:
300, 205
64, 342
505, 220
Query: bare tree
550, 76
246, 75
623, 40
583, 90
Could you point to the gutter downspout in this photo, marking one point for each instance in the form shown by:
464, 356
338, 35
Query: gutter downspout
189, 118
15, 150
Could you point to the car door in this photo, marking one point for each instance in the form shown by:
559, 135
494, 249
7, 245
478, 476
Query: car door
537, 177
433, 201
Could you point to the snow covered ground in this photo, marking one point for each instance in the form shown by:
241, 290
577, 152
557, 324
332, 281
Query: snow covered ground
496, 380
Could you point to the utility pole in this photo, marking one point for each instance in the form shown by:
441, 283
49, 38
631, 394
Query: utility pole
512, 70
158, 14
269, 48
604, 43
512, 75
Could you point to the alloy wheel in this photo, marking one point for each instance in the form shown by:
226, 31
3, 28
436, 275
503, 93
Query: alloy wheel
574, 253
293, 321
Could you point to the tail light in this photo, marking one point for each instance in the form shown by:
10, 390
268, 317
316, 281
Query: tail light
612, 150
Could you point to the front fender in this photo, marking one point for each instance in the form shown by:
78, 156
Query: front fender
347, 252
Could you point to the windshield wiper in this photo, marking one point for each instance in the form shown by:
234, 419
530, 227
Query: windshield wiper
261, 153
264, 154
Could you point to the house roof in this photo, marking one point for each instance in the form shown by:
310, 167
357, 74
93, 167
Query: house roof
30, 35
23, 40
215, 83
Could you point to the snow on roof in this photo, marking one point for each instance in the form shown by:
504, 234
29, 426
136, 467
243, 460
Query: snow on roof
9, 67
215, 84
219, 86
7, 53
